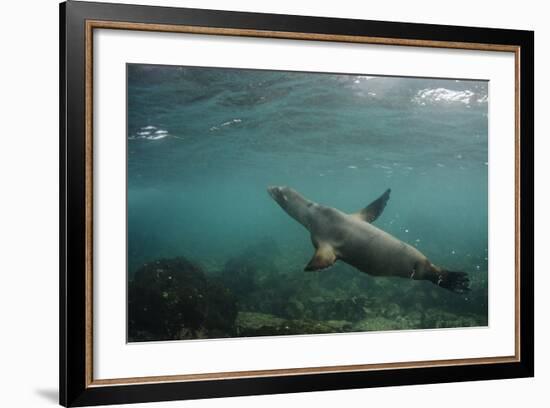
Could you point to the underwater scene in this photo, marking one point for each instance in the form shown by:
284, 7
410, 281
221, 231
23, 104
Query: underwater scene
266, 203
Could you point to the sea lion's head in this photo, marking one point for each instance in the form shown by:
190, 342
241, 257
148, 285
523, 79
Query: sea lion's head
293, 203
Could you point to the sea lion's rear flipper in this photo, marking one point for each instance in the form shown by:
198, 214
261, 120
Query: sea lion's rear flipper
323, 258
457, 282
374, 209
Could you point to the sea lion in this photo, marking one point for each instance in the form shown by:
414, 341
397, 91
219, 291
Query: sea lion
353, 239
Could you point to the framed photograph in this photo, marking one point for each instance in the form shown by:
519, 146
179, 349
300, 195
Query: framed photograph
256, 203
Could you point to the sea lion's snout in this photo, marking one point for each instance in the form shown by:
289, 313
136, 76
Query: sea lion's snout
277, 193
292, 202
272, 190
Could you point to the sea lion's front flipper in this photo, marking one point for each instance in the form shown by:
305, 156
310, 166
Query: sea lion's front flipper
374, 209
323, 258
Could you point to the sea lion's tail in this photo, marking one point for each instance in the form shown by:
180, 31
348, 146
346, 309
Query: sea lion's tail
457, 282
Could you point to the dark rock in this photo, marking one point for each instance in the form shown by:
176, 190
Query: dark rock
173, 299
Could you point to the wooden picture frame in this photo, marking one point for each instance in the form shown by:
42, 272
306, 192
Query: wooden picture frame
78, 386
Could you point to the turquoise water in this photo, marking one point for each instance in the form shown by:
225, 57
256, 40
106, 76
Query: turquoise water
205, 143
